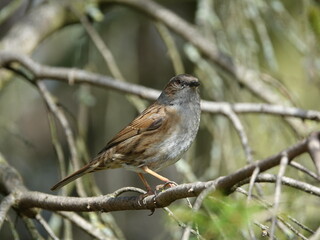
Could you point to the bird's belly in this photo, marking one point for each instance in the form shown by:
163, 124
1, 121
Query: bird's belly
168, 152
163, 153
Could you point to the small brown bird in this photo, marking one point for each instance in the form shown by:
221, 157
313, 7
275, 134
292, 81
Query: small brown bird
157, 138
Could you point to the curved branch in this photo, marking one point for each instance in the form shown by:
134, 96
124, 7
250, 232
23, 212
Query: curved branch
53, 107
26, 35
304, 170
6, 204
46, 226
241, 132
72, 76
290, 182
29, 199
245, 108
246, 76
85, 225
314, 150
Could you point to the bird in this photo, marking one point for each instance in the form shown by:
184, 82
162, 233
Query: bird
156, 138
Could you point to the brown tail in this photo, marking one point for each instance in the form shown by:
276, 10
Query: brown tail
87, 168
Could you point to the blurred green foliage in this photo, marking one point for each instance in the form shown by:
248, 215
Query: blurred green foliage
220, 217
314, 19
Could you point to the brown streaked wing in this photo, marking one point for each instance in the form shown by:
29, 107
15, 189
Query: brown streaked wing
150, 119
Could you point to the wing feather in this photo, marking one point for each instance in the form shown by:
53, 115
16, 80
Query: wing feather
151, 119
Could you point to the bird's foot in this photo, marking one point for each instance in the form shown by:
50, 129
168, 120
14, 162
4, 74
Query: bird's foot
166, 185
149, 192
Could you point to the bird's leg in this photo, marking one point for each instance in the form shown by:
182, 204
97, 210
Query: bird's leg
162, 178
146, 184
148, 193
148, 170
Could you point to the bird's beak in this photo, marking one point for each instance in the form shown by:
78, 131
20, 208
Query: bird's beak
194, 84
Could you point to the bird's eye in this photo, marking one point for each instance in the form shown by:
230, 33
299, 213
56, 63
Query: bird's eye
180, 83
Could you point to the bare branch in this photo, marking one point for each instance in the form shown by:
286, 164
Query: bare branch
265, 230
301, 225
283, 166
5, 206
304, 169
38, 24
80, 76
314, 150
261, 108
32, 228
46, 227
316, 235
53, 107
183, 225
26, 35
28, 199
107, 56
288, 225
84, 225
246, 76
13, 229
303, 186
101, 46
252, 181
241, 132
75, 76
127, 189
172, 48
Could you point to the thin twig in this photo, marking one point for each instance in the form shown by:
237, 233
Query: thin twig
271, 109
288, 225
301, 225
101, 46
127, 189
172, 48
302, 168
181, 224
277, 195
268, 205
58, 149
251, 185
265, 230
6, 203
252, 181
84, 225
108, 57
316, 235
13, 229
196, 206
241, 132
51, 103
303, 186
314, 150
31, 228
46, 227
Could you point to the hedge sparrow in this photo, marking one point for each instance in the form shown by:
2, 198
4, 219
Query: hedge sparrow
157, 138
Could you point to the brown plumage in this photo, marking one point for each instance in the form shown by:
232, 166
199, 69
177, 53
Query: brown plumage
156, 138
